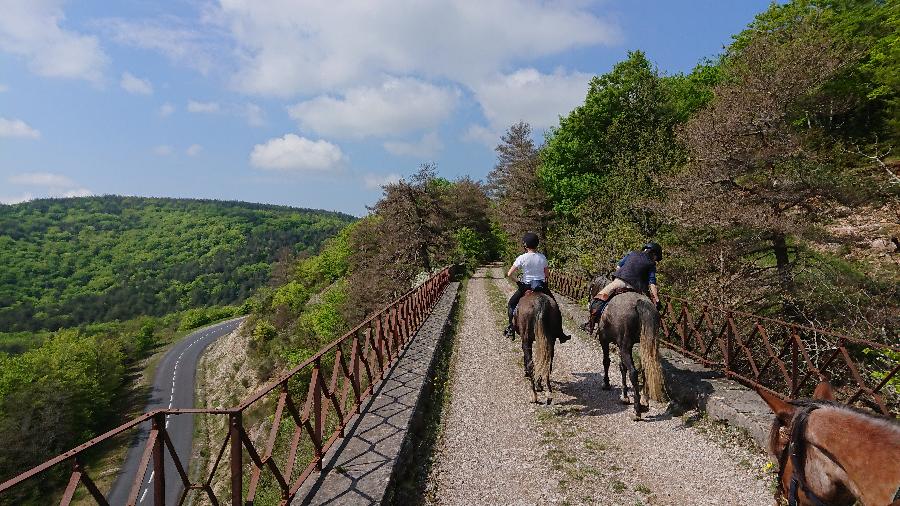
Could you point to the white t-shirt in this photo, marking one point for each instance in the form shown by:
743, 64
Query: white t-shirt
532, 266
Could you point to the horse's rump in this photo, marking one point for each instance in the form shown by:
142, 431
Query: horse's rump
540, 323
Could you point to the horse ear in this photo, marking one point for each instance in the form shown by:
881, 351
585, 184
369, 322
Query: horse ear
782, 410
824, 392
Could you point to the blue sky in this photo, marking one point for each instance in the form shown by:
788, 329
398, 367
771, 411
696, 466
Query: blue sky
310, 104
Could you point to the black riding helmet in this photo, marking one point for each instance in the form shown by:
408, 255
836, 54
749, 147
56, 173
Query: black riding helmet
530, 240
655, 248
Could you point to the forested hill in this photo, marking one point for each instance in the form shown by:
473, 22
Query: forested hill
64, 262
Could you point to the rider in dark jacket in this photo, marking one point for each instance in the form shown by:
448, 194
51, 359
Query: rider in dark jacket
637, 271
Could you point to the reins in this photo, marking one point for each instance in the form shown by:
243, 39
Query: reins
796, 451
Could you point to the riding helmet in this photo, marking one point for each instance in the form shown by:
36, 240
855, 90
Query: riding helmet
655, 248
530, 240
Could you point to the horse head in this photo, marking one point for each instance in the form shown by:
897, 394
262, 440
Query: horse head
598, 282
834, 460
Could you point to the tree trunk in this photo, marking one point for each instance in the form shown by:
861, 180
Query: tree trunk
785, 276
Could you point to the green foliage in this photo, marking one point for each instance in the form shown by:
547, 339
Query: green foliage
193, 318
264, 332
293, 321
870, 83
324, 318
64, 262
57, 395
471, 249
602, 166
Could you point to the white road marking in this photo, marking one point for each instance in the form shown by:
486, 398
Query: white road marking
144, 495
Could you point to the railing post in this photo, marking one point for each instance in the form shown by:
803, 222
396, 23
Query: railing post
159, 467
237, 466
317, 410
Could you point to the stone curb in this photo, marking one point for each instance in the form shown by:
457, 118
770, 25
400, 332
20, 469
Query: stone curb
693, 386
357, 469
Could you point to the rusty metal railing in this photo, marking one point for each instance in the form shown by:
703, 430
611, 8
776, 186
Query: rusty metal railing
358, 361
785, 358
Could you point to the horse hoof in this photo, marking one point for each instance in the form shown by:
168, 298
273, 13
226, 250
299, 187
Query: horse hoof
606, 387
636, 418
625, 400
549, 401
644, 409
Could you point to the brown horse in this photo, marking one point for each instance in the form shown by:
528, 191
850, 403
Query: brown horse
830, 454
539, 322
630, 318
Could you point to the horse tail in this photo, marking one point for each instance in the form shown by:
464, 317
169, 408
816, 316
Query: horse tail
654, 382
544, 336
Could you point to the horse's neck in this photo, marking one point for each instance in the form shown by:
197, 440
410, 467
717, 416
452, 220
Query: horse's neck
864, 447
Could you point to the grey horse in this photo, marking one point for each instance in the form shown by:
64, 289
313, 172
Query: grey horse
630, 318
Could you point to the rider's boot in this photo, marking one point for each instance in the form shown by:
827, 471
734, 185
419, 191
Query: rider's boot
596, 310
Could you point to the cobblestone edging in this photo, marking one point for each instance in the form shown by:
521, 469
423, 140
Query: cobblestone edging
358, 468
692, 386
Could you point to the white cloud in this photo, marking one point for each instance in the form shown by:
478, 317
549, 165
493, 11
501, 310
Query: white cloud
203, 107
41, 179
483, 135
295, 153
376, 181
254, 114
17, 128
194, 150
31, 29
50, 185
397, 106
18, 199
78, 192
531, 96
163, 150
166, 110
182, 45
136, 85
286, 47
429, 145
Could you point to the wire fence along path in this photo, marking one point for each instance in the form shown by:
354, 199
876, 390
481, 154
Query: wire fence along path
309, 407
782, 357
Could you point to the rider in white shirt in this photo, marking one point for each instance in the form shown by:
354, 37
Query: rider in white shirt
535, 271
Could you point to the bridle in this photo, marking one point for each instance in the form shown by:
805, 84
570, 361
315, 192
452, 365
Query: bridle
795, 449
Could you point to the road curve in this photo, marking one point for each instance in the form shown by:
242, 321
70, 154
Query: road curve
173, 387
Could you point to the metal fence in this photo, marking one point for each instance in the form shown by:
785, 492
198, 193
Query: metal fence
309, 406
785, 358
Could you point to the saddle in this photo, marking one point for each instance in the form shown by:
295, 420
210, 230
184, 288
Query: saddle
597, 306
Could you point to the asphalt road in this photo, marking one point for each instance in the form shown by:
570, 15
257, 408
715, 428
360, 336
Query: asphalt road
173, 387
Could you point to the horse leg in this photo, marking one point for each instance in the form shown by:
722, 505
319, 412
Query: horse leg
527, 361
633, 374
549, 385
624, 372
605, 345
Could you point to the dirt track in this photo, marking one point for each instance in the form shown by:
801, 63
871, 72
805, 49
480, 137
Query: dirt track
497, 447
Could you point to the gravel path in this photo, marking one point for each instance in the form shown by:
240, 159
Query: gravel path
498, 448
491, 449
